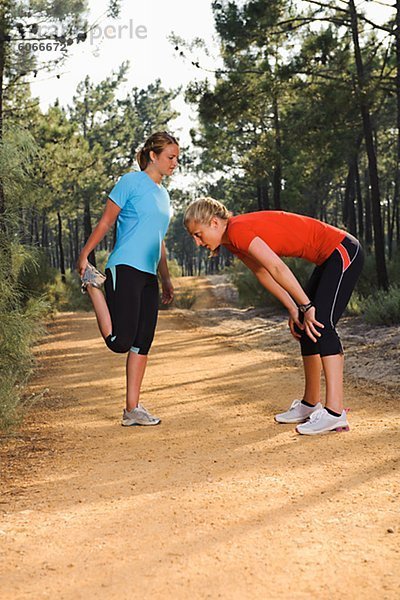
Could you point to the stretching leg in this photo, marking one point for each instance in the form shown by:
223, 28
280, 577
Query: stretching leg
101, 310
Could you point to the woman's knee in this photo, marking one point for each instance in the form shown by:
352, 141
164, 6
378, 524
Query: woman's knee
118, 344
329, 343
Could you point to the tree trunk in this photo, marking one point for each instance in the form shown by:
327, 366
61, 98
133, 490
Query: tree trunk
368, 217
56, 251
390, 224
3, 35
61, 248
36, 229
87, 228
76, 238
45, 231
396, 198
31, 227
262, 196
380, 260
5, 246
349, 212
278, 152
72, 259
22, 226
360, 209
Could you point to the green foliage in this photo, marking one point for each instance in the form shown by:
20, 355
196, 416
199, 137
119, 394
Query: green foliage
34, 274
20, 327
367, 284
185, 299
174, 268
377, 306
38, 21
101, 258
368, 280
17, 152
394, 269
356, 304
252, 293
37, 279
301, 269
180, 246
283, 117
383, 308
67, 296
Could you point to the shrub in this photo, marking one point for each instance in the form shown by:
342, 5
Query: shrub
67, 296
34, 273
101, 259
383, 308
394, 270
250, 290
355, 306
174, 269
184, 299
20, 327
368, 279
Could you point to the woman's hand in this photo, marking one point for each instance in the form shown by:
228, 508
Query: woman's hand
310, 324
167, 291
294, 322
82, 264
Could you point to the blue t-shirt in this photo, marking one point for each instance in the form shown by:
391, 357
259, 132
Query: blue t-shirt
142, 222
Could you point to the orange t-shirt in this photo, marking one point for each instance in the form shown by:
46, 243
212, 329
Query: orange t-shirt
287, 234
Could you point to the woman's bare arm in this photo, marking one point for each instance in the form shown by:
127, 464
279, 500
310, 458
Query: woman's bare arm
107, 220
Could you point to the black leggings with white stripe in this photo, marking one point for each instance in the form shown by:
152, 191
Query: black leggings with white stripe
132, 299
329, 288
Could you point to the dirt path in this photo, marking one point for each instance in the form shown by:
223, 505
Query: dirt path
216, 502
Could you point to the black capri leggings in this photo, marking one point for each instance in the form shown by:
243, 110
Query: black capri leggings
329, 288
132, 299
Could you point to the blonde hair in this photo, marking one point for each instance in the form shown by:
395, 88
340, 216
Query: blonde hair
203, 210
155, 143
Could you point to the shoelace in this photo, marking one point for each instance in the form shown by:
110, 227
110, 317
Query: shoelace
316, 416
146, 413
295, 403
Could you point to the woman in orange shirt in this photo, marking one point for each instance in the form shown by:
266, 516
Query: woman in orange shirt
259, 239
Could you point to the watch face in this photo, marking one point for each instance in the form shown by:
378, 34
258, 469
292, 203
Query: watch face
304, 307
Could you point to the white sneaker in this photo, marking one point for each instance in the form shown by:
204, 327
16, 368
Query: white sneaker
138, 416
93, 277
297, 413
321, 421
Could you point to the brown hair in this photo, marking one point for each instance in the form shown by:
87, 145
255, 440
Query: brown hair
155, 143
203, 210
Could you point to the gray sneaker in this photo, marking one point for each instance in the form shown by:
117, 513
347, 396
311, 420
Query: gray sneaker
297, 413
138, 416
92, 277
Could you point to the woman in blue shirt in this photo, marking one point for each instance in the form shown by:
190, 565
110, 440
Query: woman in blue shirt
127, 315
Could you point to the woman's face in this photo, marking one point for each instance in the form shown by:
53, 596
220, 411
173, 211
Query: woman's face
167, 161
209, 236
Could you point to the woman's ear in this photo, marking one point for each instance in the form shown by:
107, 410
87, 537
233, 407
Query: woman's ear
214, 222
152, 156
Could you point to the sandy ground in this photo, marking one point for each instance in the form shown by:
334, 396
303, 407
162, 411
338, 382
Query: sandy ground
216, 502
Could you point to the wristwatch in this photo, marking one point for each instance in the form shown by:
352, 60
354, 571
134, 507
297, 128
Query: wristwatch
304, 307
